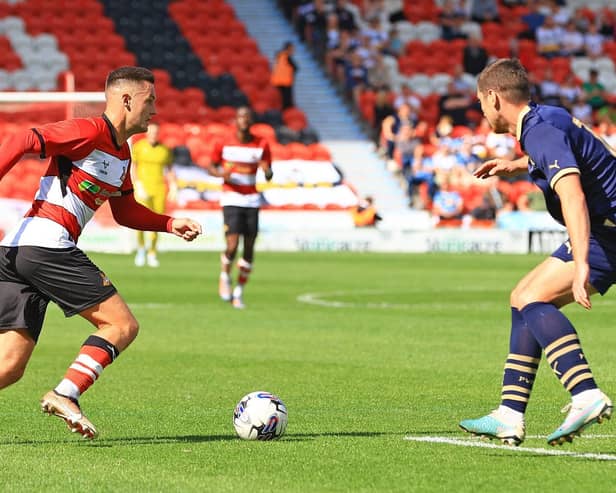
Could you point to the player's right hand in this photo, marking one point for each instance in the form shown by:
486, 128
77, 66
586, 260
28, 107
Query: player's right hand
496, 167
185, 228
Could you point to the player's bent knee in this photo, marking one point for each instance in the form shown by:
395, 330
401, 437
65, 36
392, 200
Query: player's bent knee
120, 333
520, 297
130, 330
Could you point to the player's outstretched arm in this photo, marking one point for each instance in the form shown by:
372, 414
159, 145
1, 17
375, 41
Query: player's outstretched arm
15, 147
502, 167
185, 228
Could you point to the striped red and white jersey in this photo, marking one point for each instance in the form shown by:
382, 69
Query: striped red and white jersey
95, 167
243, 159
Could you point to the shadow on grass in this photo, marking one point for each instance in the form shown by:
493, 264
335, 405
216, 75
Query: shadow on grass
160, 440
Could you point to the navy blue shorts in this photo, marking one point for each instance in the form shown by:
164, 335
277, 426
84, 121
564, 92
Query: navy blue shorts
601, 258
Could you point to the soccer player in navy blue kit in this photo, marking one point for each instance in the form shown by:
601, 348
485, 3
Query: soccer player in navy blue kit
576, 172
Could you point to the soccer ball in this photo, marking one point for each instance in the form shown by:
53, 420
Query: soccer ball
260, 416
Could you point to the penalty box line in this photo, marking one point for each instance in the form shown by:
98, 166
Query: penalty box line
529, 450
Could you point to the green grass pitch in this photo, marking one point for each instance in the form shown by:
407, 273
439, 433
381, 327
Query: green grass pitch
364, 349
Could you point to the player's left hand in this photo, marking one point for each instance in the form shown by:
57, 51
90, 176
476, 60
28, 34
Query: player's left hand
185, 228
580, 280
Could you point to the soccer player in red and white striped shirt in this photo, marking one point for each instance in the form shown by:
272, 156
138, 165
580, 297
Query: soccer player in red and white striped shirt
236, 159
40, 261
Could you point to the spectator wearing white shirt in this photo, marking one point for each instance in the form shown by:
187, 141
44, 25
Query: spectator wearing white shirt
377, 36
573, 41
500, 146
560, 13
550, 89
549, 38
582, 111
406, 96
593, 42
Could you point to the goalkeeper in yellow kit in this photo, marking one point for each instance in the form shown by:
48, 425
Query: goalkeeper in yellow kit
154, 182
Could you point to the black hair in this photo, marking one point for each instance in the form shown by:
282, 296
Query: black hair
137, 74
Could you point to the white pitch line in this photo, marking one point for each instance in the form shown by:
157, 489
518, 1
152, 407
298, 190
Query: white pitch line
584, 436
529, 450
321, 299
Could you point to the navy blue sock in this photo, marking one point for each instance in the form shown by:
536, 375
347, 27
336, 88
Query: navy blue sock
521, 365
561, 345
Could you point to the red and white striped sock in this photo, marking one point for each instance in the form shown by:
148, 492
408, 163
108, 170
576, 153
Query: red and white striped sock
95, 354
245, 268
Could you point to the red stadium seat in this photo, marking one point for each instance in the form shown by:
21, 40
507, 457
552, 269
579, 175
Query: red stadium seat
279, 152
320, 152
299, 151
264, 131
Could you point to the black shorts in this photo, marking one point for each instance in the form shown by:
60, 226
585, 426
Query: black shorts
241, 220
32, 276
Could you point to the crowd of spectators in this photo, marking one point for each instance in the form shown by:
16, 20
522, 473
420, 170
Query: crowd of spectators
359, 44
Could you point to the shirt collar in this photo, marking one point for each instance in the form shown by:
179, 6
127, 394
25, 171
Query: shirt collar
523, 113
114, 136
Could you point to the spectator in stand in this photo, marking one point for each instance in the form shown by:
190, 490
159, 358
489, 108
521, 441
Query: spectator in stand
451, 18
573, 40
390, 129
442, 131
550, 89
283, 74
376, 35
315, 30
455, 103
570, 91
366, 52
417, 169
375, 9
378, 73
333, 33
549, 38
407, 96
474, 56
382, 110
346, 17
593, 42
356, 77
500, 146
448, 203
393, 45
594, 91
533, 20
409, 144
484, 11
581, 110
337, 58
445, 162
559, 12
